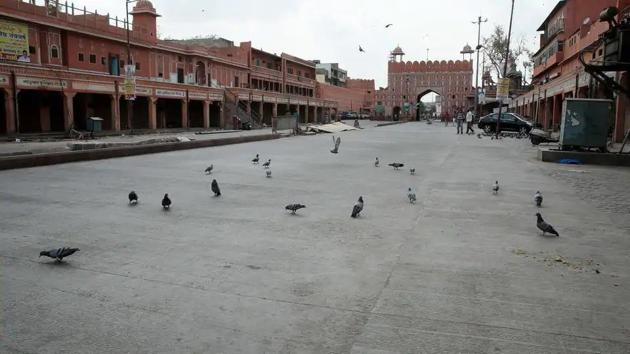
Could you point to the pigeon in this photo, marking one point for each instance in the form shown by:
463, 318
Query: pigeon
209, 169
538, 198
256, 160
412, 196
358, 207
479, 136
377, 163
215, 188
389, 25
397, 165
59, 254
337, 143
166, 202
361, 49
544, 227
412, 171
294, 207
133, 198
495, 187
268, 173
267, 164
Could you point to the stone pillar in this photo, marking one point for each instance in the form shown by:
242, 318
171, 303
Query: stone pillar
206, 114
261, 111
221, 116
9, 111
249, 108
622, 112
557, 101
115, 114
274, 113
152, 112
306, 113
184, 114
68, 108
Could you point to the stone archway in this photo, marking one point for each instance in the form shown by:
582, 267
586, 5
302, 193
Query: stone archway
200, 73
421, 95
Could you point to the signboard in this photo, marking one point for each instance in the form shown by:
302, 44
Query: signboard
145, 91
87, 86
14, 41
170, 93
503, 89
26, 82
129, 86
197, 95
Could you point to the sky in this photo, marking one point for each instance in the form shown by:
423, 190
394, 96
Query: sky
332, 30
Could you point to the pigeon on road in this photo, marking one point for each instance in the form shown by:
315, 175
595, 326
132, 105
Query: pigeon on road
544, 227
166, 202
209, 169
256, 160
397, 165
412, 196
336, 143
538, 198
361, 49
495, 187
268, 172
267, 164
59, 254
412, 171
377, 163
133, 198
215, 188
358, 207
294, 207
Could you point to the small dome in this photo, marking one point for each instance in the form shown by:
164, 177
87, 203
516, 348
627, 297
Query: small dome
398, 51
144, 6
467, 49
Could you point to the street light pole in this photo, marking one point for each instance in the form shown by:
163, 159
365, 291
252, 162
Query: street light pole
505, 64
479, 22
129, 62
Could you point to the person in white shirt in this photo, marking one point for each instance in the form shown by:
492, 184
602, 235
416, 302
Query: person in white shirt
469, 122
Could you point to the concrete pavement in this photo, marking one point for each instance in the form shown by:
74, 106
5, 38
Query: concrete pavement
462, 271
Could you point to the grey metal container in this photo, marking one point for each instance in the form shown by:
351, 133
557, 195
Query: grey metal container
585, 123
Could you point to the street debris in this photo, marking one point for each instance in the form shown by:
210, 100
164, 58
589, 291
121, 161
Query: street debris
335, 127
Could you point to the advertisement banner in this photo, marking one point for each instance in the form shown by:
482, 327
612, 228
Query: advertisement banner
129, 85
503, 89
14, 41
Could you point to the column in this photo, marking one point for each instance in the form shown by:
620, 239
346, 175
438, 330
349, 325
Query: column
556, 110
152, 112
221, 115
9, 111
261, 111
184, 114
249, 108
115, 113
206, 114
274, 117
68, 108
274, 113
621, 113
308, 108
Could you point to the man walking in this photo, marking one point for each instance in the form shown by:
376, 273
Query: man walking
460, 123
469, 122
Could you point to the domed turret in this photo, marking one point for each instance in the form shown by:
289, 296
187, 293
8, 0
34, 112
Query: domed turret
397, 54
145, 21
144, 6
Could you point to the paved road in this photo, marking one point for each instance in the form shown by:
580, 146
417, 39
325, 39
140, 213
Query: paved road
462, 271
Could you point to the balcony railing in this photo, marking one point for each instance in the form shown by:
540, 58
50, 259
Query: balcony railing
300, 79
266, 71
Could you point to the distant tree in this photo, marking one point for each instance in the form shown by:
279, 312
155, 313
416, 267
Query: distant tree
496, 47
421, 107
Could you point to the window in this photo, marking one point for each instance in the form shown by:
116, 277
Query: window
54, 52
31, 49
122, 63
81, 57
179, 58
236, 83
93, 58
290, 70
103, 61
137, 66
257, 62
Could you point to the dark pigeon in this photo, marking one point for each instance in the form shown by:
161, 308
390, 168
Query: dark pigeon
495, 187
411, 194
538, 198
133, 198
412, 171
361, 49
60, 253
294, 207
377, 163
358, 207
256, 160
397, 165
166, 202
215, 188
267, 164
268, 172
389, 25
544, 227
209, 169
337, 142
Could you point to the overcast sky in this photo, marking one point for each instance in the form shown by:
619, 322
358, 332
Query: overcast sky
332, 30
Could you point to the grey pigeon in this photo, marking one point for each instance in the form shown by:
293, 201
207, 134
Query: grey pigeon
209, 169
59, 254
215, 188
412, 171
389, 25
166, 202
337, 142
544, 227
268, 172
133, 198
358, 207
377, 163
397, 165
267, 164
294, 207
412, 196
361, 49
256, 160
495, 187
538, 198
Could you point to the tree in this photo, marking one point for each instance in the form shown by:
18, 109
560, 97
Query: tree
420, 107
496, 47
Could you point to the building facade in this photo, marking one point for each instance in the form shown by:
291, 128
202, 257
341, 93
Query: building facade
64, 64
572, 28
409, 81
331, 73
357, 96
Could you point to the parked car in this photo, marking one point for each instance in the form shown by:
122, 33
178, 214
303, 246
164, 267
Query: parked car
344, 115
509, 122
364, 116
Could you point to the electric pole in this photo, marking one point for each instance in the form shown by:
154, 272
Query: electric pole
478, 23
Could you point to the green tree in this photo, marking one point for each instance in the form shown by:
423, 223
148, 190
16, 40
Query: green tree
421, 107
495, 47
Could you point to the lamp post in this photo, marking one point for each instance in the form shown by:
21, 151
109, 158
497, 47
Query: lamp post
128, 73
479, 46
505, 65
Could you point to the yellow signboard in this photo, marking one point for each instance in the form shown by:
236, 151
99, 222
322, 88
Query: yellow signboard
14, 41
503, 89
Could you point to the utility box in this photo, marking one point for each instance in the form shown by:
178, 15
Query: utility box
95, 124
585, 123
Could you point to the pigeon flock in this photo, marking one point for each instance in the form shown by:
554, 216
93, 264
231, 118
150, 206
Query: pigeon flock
60, 253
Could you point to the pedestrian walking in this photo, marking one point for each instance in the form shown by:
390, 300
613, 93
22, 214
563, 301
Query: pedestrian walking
469, 122
460, 123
